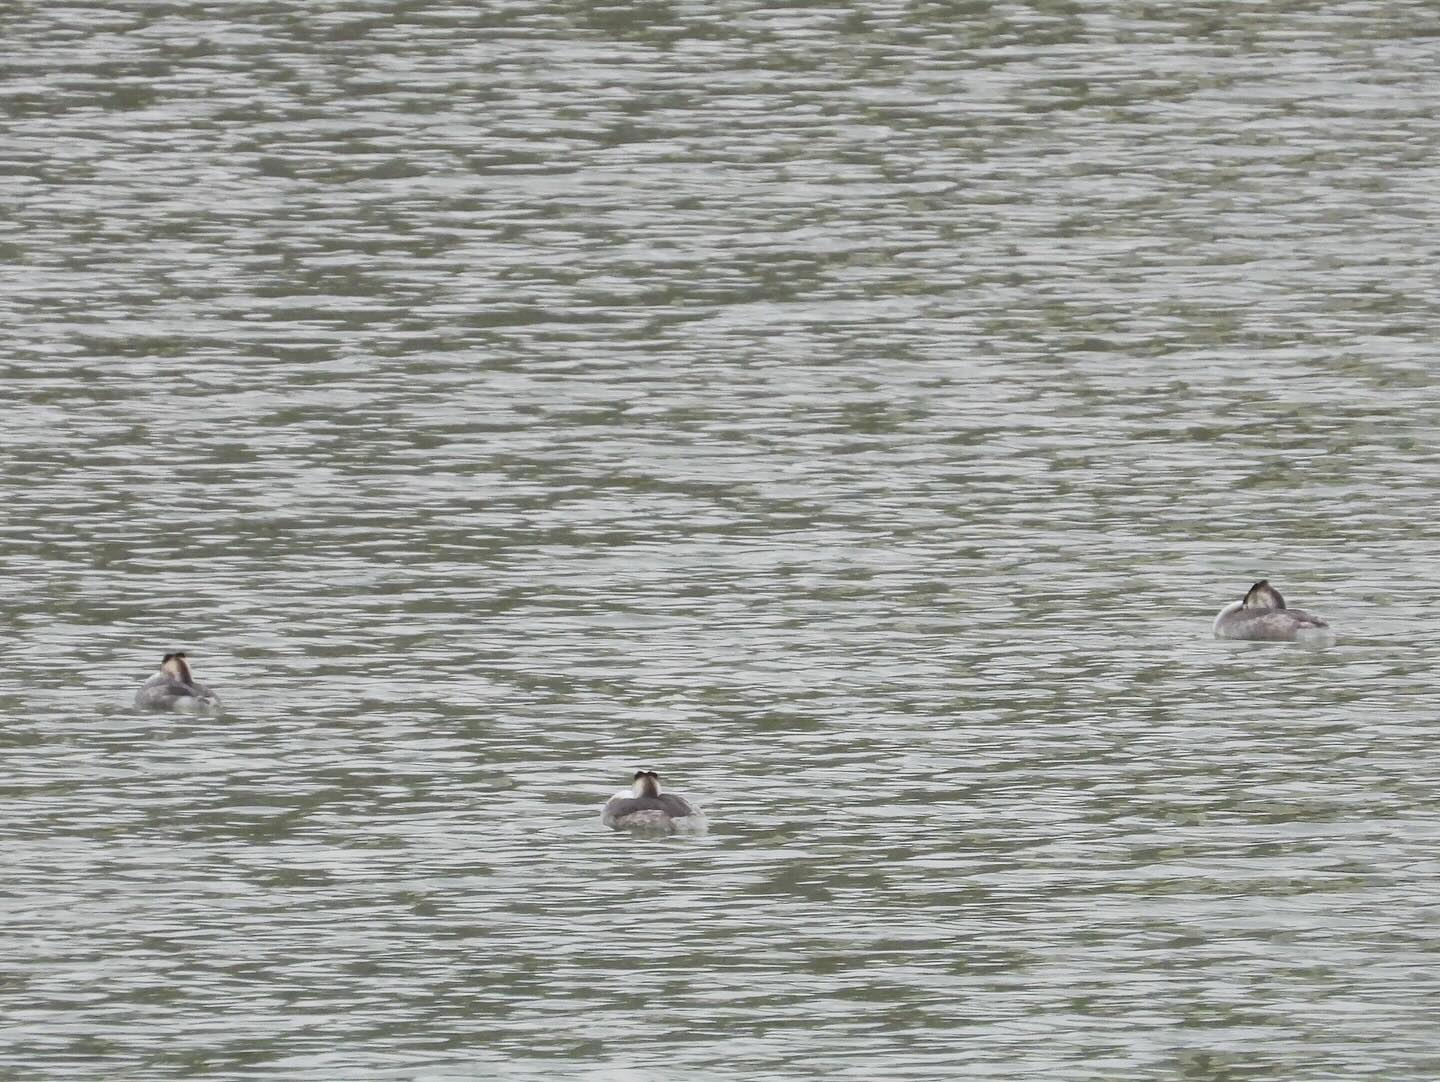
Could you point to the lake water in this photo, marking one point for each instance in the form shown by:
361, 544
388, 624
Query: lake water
857, 413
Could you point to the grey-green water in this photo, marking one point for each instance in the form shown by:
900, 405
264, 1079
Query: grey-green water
857, 413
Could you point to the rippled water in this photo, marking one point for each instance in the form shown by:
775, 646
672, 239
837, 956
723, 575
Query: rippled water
857, 413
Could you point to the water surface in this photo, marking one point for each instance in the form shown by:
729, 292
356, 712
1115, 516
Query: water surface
856, 413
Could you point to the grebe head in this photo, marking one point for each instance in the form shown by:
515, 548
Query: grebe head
1263, 596
647, 783
175, 665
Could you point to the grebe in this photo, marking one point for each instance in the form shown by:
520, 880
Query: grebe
644, 807
173, 688
1261, 615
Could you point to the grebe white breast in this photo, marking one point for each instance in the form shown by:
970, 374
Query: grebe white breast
173, 688
643, 807
1261, 616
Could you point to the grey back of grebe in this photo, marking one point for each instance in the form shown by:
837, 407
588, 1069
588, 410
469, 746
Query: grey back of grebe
1262, 616
173, 688
644, 807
